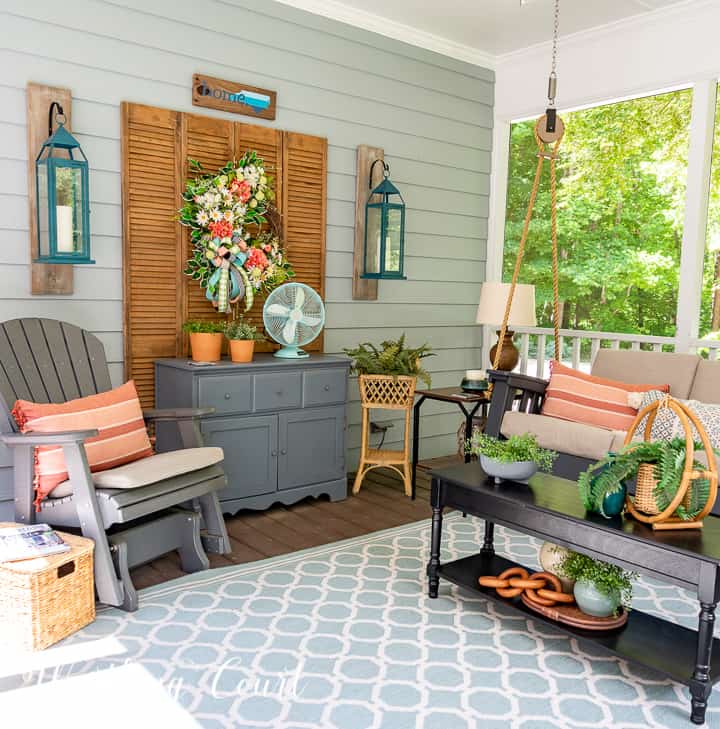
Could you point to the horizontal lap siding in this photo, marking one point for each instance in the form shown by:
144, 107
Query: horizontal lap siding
431, 114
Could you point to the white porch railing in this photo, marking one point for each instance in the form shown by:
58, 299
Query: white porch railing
706, 347
580, 347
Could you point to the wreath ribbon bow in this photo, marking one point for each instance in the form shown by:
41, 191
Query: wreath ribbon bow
229, 282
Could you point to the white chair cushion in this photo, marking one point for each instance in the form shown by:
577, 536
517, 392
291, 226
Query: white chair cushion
150, 470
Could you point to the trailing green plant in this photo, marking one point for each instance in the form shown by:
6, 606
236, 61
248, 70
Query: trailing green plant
516, 448
391, 358
200, 326
239, 329
609, 579
668, 460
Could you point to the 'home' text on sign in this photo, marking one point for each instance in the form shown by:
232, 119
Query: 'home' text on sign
238, 98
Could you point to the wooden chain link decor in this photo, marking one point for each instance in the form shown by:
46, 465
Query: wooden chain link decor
541, 588
642, 507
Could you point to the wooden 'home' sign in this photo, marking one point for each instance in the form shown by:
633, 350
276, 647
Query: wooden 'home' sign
238, 98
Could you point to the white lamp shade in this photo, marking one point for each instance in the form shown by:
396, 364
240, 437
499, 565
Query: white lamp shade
493, 300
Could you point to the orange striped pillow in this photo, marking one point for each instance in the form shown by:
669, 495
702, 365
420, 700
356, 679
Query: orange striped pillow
117, 416
581, 398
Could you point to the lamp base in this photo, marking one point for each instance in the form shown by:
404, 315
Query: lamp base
509, 357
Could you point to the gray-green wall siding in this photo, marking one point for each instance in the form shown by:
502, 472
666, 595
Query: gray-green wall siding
431, 114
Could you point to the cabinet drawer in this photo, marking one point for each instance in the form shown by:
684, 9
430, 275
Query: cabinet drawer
278, 391
227, 393
323, 387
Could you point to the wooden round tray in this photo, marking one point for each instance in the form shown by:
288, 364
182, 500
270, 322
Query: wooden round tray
572, 615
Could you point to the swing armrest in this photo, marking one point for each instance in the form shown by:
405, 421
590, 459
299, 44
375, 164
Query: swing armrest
60, 438
508, 387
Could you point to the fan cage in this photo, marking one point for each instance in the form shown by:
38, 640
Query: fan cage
286, 295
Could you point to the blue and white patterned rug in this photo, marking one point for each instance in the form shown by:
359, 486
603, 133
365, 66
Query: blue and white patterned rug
344, 637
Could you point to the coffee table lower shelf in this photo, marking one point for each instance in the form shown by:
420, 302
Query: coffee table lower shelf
645, 639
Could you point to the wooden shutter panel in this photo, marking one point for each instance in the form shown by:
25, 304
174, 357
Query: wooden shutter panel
210, 142
152, 241
267, 143
305, 210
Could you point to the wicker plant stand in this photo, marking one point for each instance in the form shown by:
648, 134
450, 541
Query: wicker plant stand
44, 600
643, 506
385, 392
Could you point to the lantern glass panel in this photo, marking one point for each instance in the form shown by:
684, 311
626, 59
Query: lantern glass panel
68, 210
43, 210
373, 236
393, 231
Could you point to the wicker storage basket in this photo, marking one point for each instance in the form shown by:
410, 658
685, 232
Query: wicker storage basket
387, 392
46, 599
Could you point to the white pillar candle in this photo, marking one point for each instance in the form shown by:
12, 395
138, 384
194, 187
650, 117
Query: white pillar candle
65, 243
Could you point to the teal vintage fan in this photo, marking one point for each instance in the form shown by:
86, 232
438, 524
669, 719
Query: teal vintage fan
293, 315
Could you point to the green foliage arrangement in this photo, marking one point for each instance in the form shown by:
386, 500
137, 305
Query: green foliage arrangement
668, 458
200, 326
391, 358
239, 329
516, 448
609, 579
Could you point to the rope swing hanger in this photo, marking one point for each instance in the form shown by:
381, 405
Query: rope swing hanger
549, 131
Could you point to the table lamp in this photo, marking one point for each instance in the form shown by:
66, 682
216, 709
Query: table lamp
491, 310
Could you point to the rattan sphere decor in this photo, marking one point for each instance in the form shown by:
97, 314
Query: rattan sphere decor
643, 506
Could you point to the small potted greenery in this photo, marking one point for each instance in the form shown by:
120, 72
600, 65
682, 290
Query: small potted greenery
607, 478
206, 338
515, 459
391, 358
600, 588
242, 337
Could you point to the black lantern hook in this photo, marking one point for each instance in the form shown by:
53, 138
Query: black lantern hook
56, 117
386, 171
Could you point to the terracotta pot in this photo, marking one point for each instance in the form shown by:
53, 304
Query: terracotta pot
241, 350
206, 347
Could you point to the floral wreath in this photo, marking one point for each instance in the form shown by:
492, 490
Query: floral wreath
221, 209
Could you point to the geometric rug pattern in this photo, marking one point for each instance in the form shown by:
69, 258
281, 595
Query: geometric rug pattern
344, 637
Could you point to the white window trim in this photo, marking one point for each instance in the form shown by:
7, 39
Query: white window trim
697, 196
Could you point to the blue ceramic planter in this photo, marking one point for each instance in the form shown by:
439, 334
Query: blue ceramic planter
614, 501
592, 602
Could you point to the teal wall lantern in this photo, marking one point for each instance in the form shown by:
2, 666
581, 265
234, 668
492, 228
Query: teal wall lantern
384, 230
63, 196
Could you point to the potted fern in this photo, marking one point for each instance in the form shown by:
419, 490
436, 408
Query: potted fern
206, 339
515, 459
242, 337
666, 460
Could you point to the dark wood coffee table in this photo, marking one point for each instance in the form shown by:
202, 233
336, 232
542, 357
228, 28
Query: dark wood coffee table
549, 508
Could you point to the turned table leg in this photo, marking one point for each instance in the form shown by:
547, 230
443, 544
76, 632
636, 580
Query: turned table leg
433, 568
488, 547
700, 684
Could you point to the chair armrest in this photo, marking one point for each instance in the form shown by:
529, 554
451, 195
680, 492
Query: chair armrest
518, 381
60, 438
177, 413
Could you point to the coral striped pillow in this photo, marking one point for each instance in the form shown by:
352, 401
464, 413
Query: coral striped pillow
581, 398
117, 416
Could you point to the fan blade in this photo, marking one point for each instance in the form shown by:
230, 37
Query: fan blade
299, 298
311, 321
278, 310
289, 330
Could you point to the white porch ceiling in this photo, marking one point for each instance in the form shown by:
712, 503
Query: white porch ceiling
490, 28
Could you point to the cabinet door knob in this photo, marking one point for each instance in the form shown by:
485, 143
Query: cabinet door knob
283, 452
327, 388
227, 395
279, 393
273, 453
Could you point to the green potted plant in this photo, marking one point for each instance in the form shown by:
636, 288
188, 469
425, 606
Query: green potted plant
600, 588
608, 477
393, 358
515, 459
206, 339
242, 337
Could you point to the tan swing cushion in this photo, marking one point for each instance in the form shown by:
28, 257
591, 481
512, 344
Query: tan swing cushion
150, 470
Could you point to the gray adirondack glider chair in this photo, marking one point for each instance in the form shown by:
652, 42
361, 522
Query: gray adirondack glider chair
44, 360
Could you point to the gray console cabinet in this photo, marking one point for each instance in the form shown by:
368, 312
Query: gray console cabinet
281, 423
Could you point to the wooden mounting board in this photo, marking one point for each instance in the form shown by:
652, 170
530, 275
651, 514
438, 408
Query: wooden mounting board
47, 279
364, 288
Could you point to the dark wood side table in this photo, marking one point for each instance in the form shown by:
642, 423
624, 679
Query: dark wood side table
549, 508
446, 394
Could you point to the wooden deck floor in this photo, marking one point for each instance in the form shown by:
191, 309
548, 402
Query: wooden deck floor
381, 504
